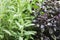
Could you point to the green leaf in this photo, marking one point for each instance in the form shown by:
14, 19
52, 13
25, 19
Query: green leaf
29, 32
7, 31
18, 24
20, 38
29, 7
1, 36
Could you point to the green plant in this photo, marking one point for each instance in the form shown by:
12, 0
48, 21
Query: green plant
14, 17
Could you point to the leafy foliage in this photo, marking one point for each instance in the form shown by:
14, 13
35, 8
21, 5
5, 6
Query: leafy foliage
15, 16
48, 21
